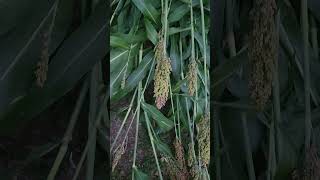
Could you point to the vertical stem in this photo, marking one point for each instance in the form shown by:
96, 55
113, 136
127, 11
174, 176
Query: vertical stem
165, 21
90, 138
92, 115
216, 142
191, 123
276, 104
270, 152
68, 134
247, 145
314, 37
83, 9
138, 114
192, 32
152, 144
204, 55
229, 28
305, 31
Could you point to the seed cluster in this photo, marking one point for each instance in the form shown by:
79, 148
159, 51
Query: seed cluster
162, 75
192, 77
192, 162
262, 51
180, 159
176, 168
203, 138
42, 66
120, 150
311, 168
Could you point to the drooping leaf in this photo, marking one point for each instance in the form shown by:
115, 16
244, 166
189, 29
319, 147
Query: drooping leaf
139, 175
164, 123
74, 58
151, 32
147, 9
178, 13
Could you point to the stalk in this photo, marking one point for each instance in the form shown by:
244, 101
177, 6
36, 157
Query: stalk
216, 141
138, 115
314, 38
165, 21
92, 115
152, 144
247, 145
68, 134
276, 103
124, 121
90, 138
305, 31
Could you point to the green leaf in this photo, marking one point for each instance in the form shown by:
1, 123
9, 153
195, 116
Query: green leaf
225, 70
15, 12
140, 72
151, 31
178, 13
120, 65
118, 42
198, 37
41, 151
139, 175
314, 6
164, 123
135, 77
78, 54
175, 57
176, 88
20, 52
147, 9
175, 30
163, 148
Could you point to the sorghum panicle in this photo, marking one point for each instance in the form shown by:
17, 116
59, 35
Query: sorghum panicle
117, 155
203, 137
42, 66
162, 75
262, 51
180, 159
192, 77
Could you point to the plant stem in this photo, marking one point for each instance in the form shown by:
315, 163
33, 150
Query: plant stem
172, 107
165, 21
204, 55
124, 120
120, 3
90, 138
138, 114
314, 37
305, 31
247, 145
276, 104
152, 144
292, 52
68, 134
92, 115
192, 32
216, 144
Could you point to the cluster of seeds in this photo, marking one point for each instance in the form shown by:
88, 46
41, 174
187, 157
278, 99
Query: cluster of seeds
262, 51
203, 137
42, 66
311, 168
120, 150
162, 75
192, 163
180, 159
192, 77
